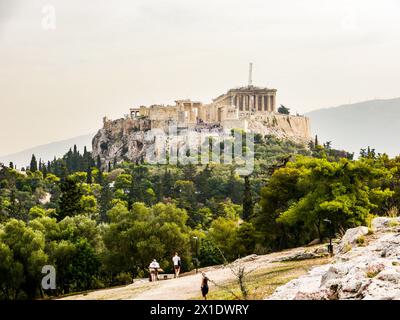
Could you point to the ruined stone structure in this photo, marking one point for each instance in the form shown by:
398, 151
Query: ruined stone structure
233, 109
237, 103
250, 108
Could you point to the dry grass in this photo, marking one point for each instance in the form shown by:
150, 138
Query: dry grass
263, 282
393, 212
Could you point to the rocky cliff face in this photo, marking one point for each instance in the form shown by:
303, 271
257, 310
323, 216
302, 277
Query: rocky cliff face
127, 139
366, 266
120, 140
295, 128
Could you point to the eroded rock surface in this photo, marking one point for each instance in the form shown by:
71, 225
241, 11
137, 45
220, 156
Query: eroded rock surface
367, 269
135, 140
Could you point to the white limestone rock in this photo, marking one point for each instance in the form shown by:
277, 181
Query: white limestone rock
382, 223
365, 272
350, 238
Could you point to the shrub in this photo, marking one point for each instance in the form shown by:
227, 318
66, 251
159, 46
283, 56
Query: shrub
393, 223
347, 247
393, 212
123, 278
361, 241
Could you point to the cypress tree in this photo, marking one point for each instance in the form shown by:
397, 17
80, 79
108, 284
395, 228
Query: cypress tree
167, 183
316, 143
247, 200
105, 201
159, 188
234, 187
189, 171
89, 178
203, 185
70, 200
98, 162
34, 165
85, 159
99, 177
44, 170
63, 172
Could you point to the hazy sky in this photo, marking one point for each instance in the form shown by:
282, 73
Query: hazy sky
105, 56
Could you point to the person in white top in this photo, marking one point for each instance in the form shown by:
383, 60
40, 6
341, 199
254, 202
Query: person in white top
154, 266
177, 264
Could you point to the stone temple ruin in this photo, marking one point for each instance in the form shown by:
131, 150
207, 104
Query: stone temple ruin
228, 111
249, 108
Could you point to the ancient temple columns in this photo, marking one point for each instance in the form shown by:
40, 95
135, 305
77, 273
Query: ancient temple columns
256, 102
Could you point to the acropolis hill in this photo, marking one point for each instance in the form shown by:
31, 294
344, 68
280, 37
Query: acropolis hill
249, 108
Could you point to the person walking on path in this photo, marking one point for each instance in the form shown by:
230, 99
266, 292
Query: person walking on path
177, 264
154, 266
204, 286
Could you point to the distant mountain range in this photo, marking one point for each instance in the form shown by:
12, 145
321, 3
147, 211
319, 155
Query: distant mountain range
48, 151
374, 123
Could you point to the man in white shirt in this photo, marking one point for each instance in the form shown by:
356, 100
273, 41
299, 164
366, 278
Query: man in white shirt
177, 264
154, 266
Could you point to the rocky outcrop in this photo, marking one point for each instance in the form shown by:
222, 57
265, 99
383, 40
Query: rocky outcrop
295, 128
120, 140
366, 269
308, 253
127, 139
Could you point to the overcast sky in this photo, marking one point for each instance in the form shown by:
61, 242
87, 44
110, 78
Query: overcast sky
105, 56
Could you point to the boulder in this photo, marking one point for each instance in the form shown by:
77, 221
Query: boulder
350, 238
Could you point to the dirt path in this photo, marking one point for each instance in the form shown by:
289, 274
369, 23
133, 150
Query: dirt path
187, 286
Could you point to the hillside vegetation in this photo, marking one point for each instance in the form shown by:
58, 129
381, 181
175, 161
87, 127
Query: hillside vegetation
102, 228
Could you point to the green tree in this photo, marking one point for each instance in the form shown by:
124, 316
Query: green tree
248, 205
246, 239
209, 254
11, 274
299, 198
89, 176
189, 171
34, 165
70, 200
283, 110
222, 233
106, 197
27, 246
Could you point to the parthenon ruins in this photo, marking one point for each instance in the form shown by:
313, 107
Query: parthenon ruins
234, 106
248, 108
